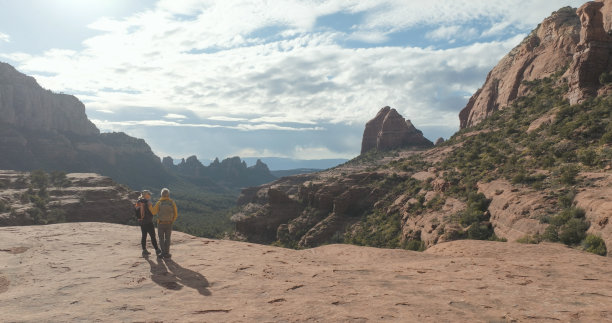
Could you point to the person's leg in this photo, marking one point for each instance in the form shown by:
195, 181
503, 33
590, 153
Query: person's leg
151, 231
168, 234
164, 234
143, 240
160, 235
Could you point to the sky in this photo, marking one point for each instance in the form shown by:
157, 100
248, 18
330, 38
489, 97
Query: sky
263, 78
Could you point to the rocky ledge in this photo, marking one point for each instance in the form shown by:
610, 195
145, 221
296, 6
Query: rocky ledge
94, 272
79, 197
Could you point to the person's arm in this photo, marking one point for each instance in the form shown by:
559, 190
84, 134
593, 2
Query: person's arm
175, 211
153, 209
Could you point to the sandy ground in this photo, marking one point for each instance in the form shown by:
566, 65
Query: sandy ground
94, 272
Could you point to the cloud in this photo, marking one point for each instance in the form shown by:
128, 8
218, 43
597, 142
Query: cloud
226, 118
117, 125
269, 66
105, 111
4, 37
174, 116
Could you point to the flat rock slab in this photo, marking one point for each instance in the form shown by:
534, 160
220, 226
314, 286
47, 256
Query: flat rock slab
94, 271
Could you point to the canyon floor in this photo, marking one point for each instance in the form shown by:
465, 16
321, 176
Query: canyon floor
94, 272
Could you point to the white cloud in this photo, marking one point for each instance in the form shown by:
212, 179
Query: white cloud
4, 37
226, 118
106, 111
209, 58
175, 116
117, 125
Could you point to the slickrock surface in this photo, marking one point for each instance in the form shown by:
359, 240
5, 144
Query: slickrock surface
93, 271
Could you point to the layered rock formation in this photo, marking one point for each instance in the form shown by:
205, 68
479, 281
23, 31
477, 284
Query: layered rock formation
81, 197
578, 39
547, 49
26, 105
389, 130
40, 129
593, 55
93, 272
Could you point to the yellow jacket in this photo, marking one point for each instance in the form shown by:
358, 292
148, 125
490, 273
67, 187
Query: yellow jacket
155, 209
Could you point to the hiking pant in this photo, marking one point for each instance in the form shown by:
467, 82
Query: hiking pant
148, 228
164, 230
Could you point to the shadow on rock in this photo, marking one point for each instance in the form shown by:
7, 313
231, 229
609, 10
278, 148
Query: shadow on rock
168, 274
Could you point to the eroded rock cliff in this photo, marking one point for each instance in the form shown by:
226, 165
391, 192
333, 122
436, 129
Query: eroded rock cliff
575, 38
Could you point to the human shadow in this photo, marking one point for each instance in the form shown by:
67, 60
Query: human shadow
170, 275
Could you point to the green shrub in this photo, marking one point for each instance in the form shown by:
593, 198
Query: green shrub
551, 233
59, 179
605, 78
415, 245
39, 179
529, 239
480, 231
567, 174
595, 244
573, 231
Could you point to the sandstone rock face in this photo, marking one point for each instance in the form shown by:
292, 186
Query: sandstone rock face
305, 210
23, 103
94, 272
516, 212
389, 130
593, 55
547, 49
579, 39
44, 130
84, 197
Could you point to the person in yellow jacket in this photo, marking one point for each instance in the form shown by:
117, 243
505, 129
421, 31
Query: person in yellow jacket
167, 213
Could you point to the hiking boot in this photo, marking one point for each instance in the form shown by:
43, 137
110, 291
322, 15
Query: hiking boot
167, 255
158, 252
145, 253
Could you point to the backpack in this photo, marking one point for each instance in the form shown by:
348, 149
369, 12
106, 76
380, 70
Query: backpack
166, 211
137, 211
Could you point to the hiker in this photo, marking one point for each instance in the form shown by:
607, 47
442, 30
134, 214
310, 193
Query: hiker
146, 222
166, 212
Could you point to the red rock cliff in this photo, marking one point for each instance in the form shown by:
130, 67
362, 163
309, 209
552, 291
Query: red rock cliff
389, 130
576, 38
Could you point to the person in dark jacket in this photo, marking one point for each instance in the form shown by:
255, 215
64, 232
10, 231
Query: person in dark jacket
146, 222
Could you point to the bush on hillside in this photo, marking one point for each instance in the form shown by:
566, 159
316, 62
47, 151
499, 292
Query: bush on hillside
595, 244
39, 179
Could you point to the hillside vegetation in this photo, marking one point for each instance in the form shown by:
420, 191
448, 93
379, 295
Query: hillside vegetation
540, 142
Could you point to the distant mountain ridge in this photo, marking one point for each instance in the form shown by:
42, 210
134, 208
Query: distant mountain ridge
40, 129
231, 172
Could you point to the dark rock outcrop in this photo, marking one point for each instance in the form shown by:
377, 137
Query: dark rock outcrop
389, 130
439, 141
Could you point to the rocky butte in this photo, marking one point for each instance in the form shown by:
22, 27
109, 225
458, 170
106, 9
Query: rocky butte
389, 130
538, 171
